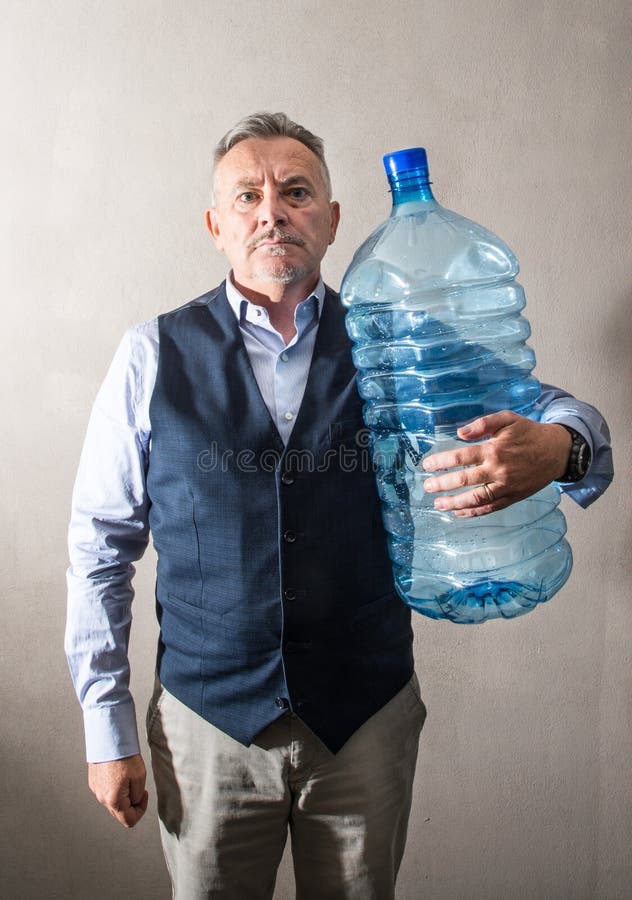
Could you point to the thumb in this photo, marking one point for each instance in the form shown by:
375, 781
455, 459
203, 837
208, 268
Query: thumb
137, 786
486, 426
137, 791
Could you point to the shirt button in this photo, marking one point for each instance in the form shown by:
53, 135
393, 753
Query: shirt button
282, 702
284, 357
287, 478
289, 595
259, 312
289, 536
288, 416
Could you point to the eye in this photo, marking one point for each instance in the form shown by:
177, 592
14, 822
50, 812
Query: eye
298, 193
246, 197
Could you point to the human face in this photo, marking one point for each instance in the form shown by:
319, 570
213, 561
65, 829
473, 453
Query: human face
272, 217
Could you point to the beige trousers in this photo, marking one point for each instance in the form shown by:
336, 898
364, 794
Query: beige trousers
224, 808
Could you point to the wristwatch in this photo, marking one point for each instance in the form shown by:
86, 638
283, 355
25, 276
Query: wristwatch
579, 458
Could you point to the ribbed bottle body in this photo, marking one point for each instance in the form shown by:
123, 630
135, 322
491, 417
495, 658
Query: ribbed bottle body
436, 317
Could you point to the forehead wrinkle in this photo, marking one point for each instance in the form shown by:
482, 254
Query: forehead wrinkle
255, 164
223, 186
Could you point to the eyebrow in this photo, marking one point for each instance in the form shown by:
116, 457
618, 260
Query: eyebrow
244, 183
295, 179
290, 181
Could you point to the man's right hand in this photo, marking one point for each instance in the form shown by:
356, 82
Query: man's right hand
120, 787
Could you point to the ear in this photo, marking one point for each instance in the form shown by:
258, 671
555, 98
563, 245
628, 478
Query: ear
334, 208
212, 223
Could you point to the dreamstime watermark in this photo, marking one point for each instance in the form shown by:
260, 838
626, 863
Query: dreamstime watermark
354, 454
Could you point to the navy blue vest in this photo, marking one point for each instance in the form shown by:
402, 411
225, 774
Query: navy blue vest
274, 588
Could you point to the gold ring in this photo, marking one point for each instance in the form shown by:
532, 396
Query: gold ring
489, 492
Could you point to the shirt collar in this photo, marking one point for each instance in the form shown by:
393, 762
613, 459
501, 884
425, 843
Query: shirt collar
247, 311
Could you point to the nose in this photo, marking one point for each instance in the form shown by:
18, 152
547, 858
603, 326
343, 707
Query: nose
272, 210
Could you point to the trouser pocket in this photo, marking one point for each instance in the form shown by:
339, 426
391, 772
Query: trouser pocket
153, 709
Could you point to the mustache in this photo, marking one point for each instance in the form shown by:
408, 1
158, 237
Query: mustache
276, 234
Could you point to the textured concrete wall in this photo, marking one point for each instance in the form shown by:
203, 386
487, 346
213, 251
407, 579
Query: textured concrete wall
110, 112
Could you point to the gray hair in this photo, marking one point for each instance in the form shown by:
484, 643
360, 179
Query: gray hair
268, 125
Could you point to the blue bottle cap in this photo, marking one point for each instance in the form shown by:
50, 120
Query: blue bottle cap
412, 160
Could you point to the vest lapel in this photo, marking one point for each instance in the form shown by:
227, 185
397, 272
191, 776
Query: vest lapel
241, 368
332, 375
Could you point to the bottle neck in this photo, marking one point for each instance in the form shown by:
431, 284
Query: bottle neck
412, 187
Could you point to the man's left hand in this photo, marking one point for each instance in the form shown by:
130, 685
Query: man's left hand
519, 458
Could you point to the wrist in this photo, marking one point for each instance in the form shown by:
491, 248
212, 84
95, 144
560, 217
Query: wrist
578, 457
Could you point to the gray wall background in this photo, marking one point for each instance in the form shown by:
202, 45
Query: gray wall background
110, 112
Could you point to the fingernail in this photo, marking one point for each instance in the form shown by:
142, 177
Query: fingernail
430, 484
466, 429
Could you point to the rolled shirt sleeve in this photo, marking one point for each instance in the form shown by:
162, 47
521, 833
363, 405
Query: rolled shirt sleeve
564, 409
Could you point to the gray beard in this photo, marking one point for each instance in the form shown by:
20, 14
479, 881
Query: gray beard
283, 273
287, 275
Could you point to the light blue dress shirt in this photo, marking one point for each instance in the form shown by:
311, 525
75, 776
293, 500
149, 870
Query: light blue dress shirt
109, 528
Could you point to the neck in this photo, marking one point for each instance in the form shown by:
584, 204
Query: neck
280, 300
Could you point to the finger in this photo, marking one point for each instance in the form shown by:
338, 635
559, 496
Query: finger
476, 501
137, 789
467, 500
451, 459
484, 510
136, 812
130, 816
475, 512
127, 813
487, 425
452, 481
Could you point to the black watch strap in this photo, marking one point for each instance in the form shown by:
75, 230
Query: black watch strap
579, 458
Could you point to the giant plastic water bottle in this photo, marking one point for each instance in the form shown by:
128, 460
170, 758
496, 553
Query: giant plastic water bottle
434, 311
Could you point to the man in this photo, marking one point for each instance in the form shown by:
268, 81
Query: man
285, 691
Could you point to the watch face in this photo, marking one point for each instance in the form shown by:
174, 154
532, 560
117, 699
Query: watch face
579, 459
583, 459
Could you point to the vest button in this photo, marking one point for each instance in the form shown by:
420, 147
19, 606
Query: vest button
289, 595
282, 703
287, 478
289, 536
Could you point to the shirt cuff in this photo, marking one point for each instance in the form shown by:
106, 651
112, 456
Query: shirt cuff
111, 732
590, 487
